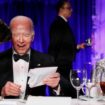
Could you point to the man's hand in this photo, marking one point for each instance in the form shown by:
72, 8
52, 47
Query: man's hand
81, 46
52, 80
11, 89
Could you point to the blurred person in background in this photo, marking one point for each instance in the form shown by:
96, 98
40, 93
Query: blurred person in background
62, 44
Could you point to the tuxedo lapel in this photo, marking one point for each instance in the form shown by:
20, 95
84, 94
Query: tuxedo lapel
10, 66
34, 62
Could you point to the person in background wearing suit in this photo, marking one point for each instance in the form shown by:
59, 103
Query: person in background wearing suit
62, 44
17, 61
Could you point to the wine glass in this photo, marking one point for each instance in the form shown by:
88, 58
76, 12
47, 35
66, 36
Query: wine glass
78, 79
102, 82
100, 68
91, 80
100, 77
89, 85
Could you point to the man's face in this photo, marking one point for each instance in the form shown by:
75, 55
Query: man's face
22, 36
67, 10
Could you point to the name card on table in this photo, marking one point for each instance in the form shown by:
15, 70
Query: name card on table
38, 100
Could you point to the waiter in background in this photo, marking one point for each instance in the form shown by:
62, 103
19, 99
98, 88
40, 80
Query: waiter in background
62, 41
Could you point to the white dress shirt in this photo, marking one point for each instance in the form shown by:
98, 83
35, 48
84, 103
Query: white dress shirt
63, 18
20, 72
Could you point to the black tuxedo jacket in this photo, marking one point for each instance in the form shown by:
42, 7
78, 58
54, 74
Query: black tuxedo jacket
62, 45
62, 42
36, 59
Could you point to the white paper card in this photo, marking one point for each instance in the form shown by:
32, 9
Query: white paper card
38, 74
32, 100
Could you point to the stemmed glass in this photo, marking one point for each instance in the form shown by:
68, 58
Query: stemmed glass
100, 74
78, 79
91, 80
102, 82
89, 86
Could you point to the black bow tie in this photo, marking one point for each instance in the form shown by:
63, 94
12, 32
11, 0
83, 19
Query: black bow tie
24, 57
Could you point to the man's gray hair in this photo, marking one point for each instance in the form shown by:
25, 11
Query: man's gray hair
21, 18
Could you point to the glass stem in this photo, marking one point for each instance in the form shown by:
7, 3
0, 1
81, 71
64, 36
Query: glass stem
77, 93
89, 93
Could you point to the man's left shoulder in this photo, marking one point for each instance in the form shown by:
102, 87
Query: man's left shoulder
41, 57
40, 54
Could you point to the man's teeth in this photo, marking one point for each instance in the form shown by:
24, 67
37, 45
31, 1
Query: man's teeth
21, 46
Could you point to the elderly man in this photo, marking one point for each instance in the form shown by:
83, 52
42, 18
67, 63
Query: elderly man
16, 62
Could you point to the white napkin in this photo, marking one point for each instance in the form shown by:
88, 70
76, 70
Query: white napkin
38, 74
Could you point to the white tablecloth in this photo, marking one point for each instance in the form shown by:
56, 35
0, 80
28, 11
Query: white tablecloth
73, 102
12, 102
91, 102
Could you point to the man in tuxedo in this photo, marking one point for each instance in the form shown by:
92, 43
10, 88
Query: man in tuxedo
62, 44
16, 62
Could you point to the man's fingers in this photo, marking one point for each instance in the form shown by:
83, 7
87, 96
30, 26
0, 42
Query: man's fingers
15, 90
11, 89
52, 80
13, 93
15, 86
54, 75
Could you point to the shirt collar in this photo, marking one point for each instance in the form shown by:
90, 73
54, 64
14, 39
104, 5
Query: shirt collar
63, 18
29, 52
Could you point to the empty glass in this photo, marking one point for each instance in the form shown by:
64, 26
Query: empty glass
78, 79
91, 80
